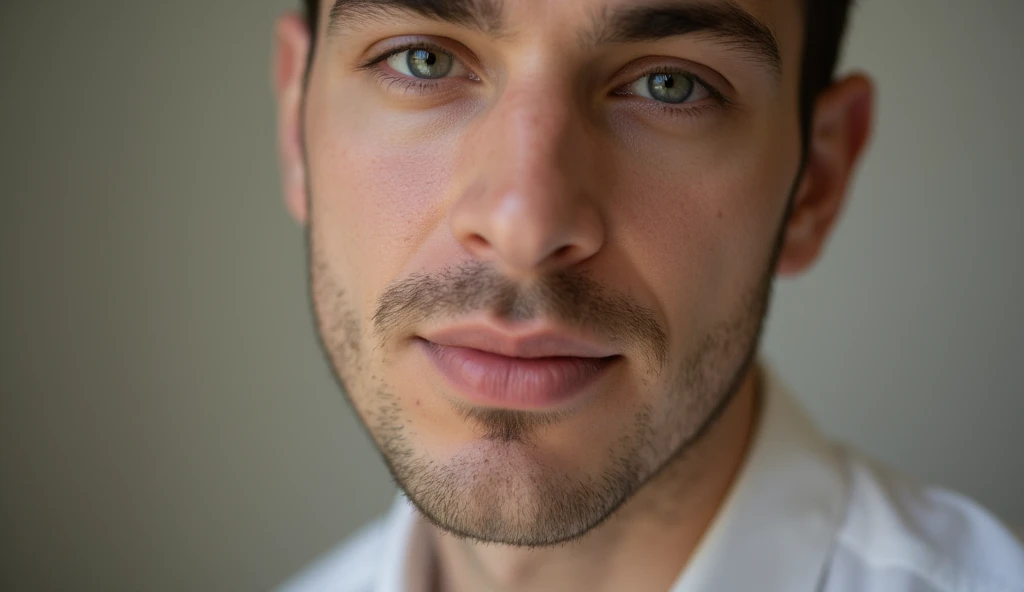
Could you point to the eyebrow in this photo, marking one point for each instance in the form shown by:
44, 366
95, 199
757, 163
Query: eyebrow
482, 15
723, 22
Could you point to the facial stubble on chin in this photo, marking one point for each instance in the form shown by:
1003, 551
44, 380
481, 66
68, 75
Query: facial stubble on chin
469, 496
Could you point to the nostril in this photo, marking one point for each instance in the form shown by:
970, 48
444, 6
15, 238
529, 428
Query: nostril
476, 241
562, 252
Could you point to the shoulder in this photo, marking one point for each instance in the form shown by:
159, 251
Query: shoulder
350, 567
902, 535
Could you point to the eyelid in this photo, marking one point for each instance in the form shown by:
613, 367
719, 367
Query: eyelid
715, 94
410, 43
675, 65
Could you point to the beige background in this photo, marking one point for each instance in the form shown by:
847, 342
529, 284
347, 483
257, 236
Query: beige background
166, 420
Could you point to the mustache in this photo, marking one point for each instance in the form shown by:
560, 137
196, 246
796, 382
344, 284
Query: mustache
572, 298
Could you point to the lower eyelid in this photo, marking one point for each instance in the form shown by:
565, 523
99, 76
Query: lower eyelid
388, 77
403, 82
692, 114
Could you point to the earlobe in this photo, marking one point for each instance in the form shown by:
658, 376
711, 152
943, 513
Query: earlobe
291, 49
840, 130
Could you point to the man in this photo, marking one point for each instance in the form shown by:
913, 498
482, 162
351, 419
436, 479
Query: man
542, 238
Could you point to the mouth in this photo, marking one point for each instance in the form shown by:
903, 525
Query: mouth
536, 371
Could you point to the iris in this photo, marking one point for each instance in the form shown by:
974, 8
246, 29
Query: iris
669, 88
424, 63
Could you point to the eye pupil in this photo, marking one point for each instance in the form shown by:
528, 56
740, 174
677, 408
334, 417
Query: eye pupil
424, 63
669, 88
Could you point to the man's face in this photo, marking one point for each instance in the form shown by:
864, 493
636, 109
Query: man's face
542, 238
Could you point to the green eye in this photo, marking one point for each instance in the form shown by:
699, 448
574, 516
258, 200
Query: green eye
669, 88
422, 63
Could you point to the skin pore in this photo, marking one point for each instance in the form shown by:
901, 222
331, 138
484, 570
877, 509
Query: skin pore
557, 165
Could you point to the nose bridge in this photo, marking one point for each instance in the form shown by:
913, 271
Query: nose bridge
531, 206
533, 140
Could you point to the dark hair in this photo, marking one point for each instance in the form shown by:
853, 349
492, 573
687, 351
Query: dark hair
823, 36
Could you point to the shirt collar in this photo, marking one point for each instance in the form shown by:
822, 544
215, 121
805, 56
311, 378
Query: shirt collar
773, 533
775, 530
405, 564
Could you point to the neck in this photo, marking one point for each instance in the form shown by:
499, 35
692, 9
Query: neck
643, 546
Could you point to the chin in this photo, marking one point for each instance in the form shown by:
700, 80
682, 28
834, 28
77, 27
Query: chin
513, 493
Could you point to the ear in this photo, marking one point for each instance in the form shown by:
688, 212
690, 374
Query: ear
291, 49
840, 129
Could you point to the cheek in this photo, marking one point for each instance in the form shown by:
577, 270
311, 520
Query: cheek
698, 223
378, 190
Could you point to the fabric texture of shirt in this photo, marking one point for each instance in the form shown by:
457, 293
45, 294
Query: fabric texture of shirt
804, 514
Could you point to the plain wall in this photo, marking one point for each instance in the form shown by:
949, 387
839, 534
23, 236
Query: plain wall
167, 421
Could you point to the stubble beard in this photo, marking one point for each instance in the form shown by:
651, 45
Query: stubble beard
501, 490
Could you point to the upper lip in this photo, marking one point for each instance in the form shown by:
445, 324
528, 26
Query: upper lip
536, 343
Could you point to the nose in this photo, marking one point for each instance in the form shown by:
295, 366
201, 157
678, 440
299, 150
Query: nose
528, 205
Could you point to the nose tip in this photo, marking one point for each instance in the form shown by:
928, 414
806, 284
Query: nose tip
525, 239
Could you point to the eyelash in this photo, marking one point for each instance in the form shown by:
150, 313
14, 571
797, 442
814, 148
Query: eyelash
407, 84
719, 100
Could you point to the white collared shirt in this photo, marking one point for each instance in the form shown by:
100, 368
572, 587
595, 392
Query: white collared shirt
803, 515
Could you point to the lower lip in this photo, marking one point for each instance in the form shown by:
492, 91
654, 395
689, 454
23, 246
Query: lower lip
515, 383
